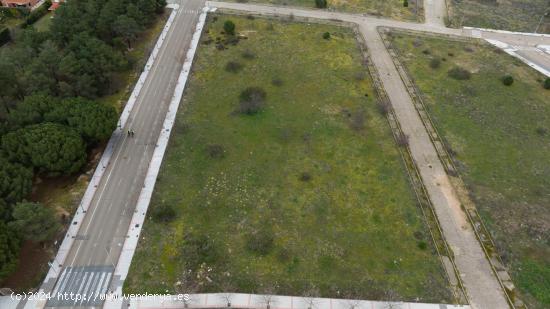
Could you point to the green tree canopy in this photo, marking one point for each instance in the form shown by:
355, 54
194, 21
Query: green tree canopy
31, 110
229, 27
15, 181
9, 250
34, 221
95, 122
50, 148
127, 28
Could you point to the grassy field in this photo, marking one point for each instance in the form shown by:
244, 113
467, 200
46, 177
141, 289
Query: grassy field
310, 193
386, 8
522, 15
500, 138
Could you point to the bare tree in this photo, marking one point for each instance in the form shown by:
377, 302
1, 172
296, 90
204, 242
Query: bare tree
391, 300
187, 287
227, 292
310, 297
267, 296
351, 301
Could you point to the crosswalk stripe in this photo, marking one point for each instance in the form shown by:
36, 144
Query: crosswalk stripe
100, 284
106, 284
63, 283
63, 274
82, 282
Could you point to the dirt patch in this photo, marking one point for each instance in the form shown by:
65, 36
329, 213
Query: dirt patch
33, 264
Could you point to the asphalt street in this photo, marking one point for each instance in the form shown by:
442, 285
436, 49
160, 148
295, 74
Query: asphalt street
96, 249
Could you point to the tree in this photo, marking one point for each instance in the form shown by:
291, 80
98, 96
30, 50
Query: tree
321, 4
15, 181
326, 35
229, 27
95, 122
546, 84
406, 3
49, 148
32, 110
127, 28
9, 250
34, 221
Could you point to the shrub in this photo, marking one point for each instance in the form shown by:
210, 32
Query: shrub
541, 131
321, 4
435, 63
507, 80
459, 73
383, 107
546, 83
163, 213
277, 82
229, 27
198, 249
305, 176
426, 52
402, 140
248, 54
252, 100
422, 245
260, 242
215, 151
233, 67
406, 3
326, 35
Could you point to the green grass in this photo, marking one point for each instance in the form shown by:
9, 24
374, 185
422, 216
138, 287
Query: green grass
501, 139
507, 15
247, 218
386, 8
43, 24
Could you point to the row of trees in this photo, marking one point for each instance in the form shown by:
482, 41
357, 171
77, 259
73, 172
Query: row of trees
48, 116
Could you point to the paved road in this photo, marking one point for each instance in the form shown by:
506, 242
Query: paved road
90, 263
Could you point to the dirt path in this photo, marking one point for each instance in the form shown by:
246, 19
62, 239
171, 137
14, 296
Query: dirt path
435, 12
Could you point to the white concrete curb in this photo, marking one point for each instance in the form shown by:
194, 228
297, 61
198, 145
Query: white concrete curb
508, 32
240, 300
138, 218
512, 51
105, 158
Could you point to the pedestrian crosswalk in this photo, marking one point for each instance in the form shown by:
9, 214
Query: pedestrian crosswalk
81, 286
191, 11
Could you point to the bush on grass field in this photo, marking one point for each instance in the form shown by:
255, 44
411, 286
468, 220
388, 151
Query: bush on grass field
252, 100
507, 80
459, 73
